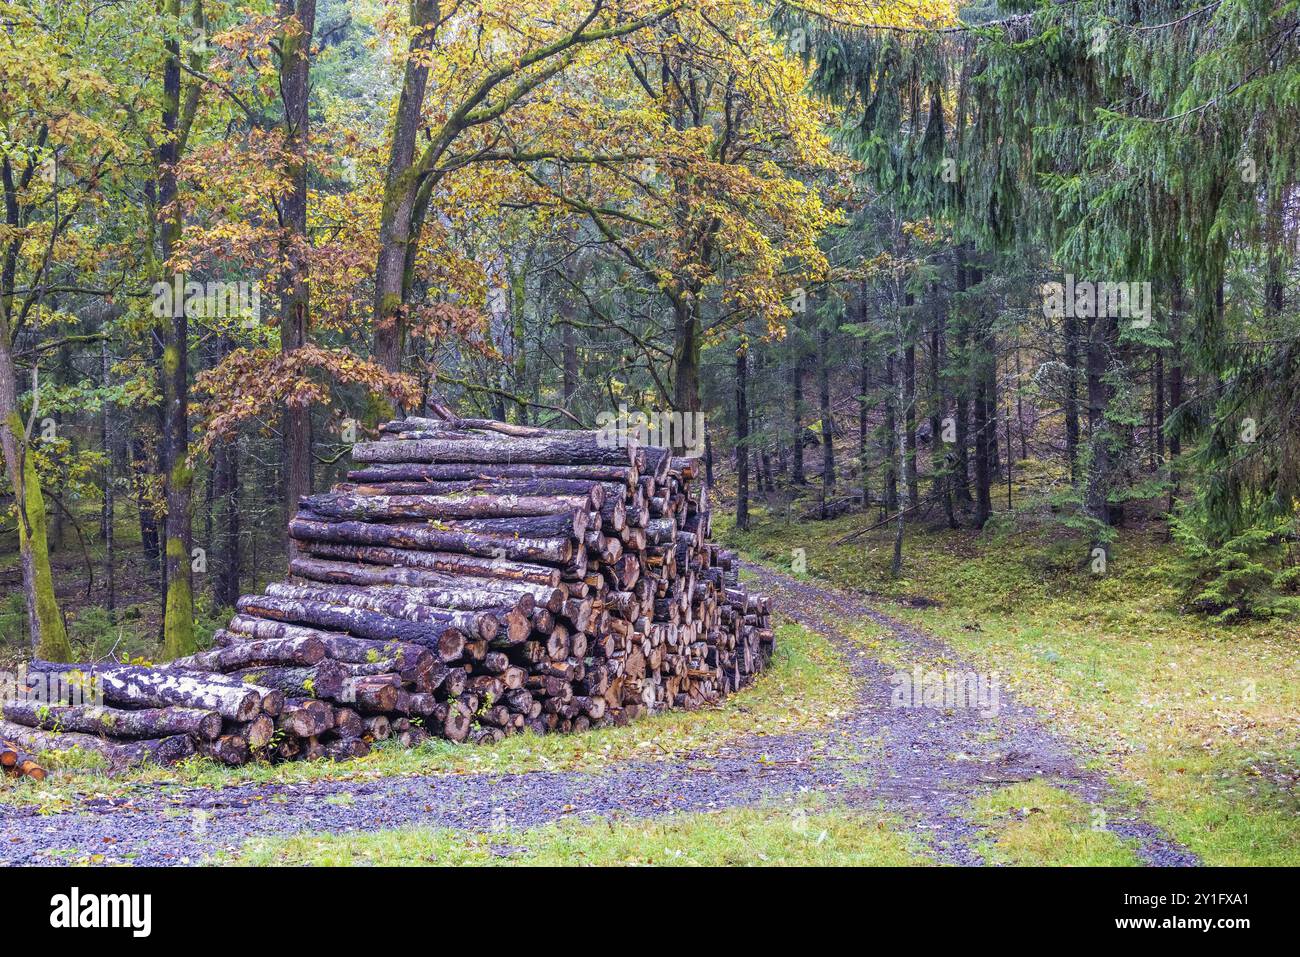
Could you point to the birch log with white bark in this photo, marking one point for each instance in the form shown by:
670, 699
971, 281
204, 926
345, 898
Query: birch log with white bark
299, 652
114, 722
446, 563
411, 604
117, 754
555, 550
140, 687
448, 591
443, 638
559, 448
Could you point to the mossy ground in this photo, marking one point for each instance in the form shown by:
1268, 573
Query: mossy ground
1201, 719
748, 837
1035, 824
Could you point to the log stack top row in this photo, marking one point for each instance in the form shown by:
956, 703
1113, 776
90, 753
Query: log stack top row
470, 580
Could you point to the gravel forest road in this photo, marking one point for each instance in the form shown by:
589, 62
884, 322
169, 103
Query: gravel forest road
924, 765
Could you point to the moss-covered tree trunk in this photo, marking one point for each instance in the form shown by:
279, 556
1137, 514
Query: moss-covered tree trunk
178, 604
45, 623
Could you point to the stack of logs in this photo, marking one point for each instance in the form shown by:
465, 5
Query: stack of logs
137, 714
471, 580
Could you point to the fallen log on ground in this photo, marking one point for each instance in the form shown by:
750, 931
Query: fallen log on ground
118, 754
135, 686
115, 722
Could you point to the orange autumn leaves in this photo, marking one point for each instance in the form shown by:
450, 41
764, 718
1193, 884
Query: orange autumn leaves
254, 384
691, 144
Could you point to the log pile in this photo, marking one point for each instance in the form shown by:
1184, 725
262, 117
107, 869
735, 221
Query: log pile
156, 715
470, 580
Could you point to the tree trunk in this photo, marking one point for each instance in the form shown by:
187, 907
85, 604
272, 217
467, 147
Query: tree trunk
509, 618
570, 448
401, 185
118, 755
686, 360
1020, 412
890, 435
142, 468
446, 563
983, 475
900, 441
112, 722
985, 419
449, 591
742, 438
300, 652
324, 680
864, 387
299, 17
1175, 389
178, 605
231, 533
961, 404
1072, 396
468, 472
441, 637
758, 460
1158, 406
106, 511
44, 621
1101, 335
941, 460
336, 505
798, 477
569, 352
1010, 454
828, 422
909, 397
136, 687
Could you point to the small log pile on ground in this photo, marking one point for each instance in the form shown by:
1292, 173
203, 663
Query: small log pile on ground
156, 715
17, 763
471, 580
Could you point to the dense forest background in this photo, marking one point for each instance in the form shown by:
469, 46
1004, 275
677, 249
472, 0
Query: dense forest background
237, 237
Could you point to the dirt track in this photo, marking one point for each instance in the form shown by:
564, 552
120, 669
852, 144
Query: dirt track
925, 765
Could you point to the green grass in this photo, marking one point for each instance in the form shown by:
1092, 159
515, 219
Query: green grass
1200, 718
804, 687
1035, 824
771, 837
